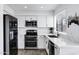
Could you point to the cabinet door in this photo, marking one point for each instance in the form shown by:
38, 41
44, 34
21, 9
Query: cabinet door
41, 21
47, 40
57, 50
49, 21
27, 17
41, 42
31, 18
21, 33
21, 21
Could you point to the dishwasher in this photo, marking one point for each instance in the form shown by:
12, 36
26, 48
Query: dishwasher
51, 48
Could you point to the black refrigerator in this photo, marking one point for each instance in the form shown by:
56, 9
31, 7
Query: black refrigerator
10, 35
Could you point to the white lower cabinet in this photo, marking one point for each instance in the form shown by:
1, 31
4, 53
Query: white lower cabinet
57, 50
41, 42
47, 50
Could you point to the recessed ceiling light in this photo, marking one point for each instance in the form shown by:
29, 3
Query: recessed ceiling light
41, 7
25, 6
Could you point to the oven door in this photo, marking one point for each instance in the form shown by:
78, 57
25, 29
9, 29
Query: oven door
30, 41
30, 38
31, 44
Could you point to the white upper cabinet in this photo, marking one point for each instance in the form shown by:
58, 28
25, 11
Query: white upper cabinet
50, 21
31, 18
41, 21
27, 18
21, 21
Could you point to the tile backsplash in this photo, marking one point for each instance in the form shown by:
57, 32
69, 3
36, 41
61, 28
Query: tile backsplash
41, 30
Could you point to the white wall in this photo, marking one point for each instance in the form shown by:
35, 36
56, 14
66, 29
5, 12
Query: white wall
1, 29
71, 9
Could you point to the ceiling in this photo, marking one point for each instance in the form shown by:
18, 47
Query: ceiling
25, 7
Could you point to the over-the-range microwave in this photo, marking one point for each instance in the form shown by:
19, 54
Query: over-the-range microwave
32, 23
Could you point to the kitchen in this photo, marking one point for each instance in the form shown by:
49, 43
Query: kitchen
41, 29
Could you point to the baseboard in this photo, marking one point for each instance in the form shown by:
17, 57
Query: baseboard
32, 49
35, 49
46, 52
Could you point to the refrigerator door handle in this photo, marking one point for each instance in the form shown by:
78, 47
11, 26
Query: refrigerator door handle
11, 35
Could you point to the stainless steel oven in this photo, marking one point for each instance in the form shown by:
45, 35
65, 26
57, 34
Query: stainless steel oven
31, 38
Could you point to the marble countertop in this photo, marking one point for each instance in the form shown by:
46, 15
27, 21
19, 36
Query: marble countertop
56, 41
61, 43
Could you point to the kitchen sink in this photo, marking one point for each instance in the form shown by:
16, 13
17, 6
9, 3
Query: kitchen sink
53, 36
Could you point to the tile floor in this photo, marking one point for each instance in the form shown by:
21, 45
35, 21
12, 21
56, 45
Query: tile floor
32, 52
